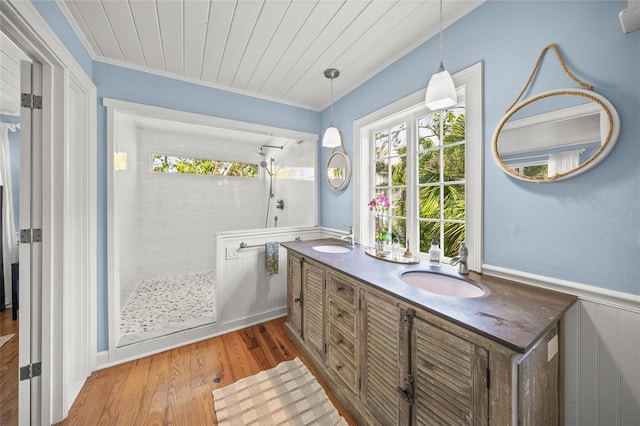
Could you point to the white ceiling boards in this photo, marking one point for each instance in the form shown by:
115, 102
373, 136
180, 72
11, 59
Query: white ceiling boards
271, 49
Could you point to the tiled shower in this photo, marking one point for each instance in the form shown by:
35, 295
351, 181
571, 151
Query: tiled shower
165, 224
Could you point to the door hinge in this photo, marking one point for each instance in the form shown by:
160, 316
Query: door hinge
28, 236
30, 371
488, 379
31, 101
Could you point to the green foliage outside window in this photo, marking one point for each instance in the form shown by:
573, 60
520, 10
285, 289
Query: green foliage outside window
391, 180
199, 166
451, 155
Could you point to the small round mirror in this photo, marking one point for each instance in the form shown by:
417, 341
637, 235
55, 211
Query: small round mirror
338, 170
556, 135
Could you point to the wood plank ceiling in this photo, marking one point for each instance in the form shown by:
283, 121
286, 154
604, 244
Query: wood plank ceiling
273, 49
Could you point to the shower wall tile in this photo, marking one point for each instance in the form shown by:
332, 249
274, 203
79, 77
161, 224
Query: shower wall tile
167, 223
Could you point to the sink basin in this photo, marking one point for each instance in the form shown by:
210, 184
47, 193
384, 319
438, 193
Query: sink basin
332, 249
442, 284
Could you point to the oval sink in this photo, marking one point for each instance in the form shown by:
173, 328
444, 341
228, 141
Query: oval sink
442, 284
332, 249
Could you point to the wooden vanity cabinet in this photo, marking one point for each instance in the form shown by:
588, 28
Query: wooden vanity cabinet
390, 362
450, 378
383, 361
294, 293
305, 302
342, 334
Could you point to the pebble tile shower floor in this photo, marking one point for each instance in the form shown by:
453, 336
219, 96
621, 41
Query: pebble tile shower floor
168, 305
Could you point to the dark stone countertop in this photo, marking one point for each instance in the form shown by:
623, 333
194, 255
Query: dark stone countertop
513, 314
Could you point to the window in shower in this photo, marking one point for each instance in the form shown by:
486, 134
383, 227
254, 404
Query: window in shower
201, 166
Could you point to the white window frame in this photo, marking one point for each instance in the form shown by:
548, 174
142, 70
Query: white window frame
469, 84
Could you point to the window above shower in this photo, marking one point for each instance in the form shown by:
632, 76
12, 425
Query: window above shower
202, 166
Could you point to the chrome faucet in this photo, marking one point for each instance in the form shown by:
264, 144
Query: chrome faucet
348, 236
461, 260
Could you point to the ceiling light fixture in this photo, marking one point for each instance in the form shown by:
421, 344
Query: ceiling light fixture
332, 137
441, 91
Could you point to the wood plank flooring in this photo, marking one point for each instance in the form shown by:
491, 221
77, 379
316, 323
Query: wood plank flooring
174, 387
8, 371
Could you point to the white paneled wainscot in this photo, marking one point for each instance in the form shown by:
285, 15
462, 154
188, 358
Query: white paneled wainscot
602, 352
246, 291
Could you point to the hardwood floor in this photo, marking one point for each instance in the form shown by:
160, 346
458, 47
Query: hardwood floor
8, 371
174, 387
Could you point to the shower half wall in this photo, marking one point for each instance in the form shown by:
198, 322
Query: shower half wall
165, 224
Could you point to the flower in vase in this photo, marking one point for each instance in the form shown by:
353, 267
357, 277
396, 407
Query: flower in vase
379, 206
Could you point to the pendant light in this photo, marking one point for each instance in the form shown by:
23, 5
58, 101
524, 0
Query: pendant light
332, 137
441, 91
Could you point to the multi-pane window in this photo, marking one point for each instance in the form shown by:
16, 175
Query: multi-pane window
420, 167
390, 156
441, 180
201, 166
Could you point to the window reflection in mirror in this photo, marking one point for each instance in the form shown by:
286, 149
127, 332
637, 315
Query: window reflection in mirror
338, 171
555, 135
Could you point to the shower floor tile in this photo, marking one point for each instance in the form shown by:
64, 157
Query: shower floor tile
168, 305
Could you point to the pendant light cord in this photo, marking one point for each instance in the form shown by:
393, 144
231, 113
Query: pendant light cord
440, 33
331, 125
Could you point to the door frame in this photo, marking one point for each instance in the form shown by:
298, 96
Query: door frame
69, 254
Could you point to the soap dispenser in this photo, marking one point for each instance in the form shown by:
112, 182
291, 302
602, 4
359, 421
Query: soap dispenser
434, 253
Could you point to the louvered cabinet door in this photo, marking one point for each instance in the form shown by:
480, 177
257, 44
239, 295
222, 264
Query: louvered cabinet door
313, 279
450, 378
382, 359
294, 293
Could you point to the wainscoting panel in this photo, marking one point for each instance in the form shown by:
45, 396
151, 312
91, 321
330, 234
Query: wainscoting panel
601, 351
602, 365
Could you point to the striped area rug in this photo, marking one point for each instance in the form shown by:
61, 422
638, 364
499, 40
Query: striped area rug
4, 339
287, 394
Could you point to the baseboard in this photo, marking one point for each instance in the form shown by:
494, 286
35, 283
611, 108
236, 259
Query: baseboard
603, 296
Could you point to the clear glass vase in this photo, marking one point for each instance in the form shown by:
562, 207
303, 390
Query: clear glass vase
379, 240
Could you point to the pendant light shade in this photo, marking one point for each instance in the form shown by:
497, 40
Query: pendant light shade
332, 137
441, 91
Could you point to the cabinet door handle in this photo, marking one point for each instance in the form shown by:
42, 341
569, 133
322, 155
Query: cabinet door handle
339, 288
339, 367
339, 315
339, 341
405, 395
296, 300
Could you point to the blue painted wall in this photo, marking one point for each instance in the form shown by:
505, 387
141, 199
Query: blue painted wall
585, 229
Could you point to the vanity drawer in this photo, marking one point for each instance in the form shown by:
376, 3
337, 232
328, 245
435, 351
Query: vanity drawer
342, 317
342, 289
343, 368
344, 341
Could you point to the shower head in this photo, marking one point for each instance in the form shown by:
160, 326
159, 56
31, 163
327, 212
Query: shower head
264, 164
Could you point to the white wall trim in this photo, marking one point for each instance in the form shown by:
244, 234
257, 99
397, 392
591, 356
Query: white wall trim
143, 110
602, 296
26, 27
43, 38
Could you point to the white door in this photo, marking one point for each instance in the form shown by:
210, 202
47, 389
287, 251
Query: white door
30, 249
